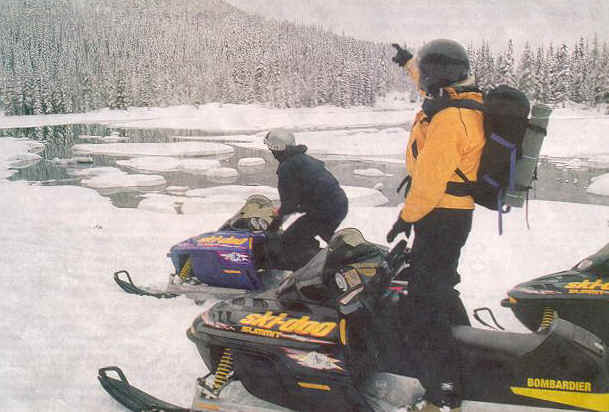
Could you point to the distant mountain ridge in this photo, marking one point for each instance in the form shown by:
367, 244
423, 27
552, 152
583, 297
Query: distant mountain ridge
416, 21
87, 54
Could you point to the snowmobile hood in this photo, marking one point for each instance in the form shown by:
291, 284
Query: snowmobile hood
263, 319
569, 284
589, 279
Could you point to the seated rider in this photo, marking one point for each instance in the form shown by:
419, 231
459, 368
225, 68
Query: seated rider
305, 186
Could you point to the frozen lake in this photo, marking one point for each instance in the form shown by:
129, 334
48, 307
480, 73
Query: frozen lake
244, 163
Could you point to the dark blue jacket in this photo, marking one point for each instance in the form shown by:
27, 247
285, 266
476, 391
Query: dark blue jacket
305, 185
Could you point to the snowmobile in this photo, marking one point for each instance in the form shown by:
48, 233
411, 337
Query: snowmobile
579, 295
241, 256
331, 338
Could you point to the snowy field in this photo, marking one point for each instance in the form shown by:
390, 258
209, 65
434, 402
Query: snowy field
63, 317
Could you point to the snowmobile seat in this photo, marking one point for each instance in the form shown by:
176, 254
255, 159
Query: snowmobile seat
507, 343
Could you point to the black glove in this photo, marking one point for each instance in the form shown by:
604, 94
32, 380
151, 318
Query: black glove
402, 56
275, 224
399, 226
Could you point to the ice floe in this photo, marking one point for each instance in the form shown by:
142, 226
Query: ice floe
73, 161
363, 196
600, 185
23, 160
251, 165
246, 162
155, 164
35, 147
232, 138
222, 174
176, 190
95, 171
372, 172
114, 183
114, 137
12, 148
151, 164
198, 166
176, 149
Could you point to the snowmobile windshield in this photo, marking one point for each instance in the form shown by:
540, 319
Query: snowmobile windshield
598, 263
348, 246
256, 214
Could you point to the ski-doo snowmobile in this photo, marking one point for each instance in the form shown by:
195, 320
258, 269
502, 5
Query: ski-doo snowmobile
331, 333
242, 255
579, 295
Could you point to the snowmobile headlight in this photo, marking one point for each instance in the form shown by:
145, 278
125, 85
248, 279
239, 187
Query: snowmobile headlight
341, 282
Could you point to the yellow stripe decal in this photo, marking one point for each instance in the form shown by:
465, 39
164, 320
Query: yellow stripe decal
207, 406
342, 325
591, 401
314, 386
232, 271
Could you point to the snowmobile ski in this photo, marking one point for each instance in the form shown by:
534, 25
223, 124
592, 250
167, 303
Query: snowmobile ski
137, 400
197, 291
131, 397
130, 287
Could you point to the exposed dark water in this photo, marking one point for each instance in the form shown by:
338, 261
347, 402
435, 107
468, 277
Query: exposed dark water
555, 180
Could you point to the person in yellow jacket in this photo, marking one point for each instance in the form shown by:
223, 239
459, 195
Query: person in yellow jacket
444, 143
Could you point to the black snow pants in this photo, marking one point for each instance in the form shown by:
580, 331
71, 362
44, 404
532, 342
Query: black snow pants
298, 243
433, 305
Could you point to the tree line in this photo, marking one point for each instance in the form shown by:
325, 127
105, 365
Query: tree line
554, 74
62, 56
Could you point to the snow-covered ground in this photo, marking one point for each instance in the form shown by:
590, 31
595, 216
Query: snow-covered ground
63, 317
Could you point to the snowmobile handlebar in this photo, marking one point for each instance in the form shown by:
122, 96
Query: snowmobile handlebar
398, 256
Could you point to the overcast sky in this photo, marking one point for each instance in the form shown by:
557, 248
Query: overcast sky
416, 21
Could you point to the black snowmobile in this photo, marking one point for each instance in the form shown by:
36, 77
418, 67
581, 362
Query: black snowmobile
579, 295
331, 338
242, 255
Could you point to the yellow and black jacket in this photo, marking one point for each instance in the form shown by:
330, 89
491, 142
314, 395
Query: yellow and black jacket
454, 138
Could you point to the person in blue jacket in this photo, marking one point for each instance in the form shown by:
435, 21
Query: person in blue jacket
305, 186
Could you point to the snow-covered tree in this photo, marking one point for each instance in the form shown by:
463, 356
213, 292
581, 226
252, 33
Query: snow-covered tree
506, 71
526, 72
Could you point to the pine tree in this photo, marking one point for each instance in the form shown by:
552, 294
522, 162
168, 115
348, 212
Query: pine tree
505, 71
541, 76
561, 77
526, 72
578, 72
486, 68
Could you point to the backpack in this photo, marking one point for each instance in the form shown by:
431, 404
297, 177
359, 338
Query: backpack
504, 175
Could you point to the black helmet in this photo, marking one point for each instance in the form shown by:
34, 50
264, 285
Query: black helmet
441, 63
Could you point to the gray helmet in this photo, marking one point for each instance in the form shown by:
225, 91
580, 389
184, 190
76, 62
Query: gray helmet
279, 139
441, 63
